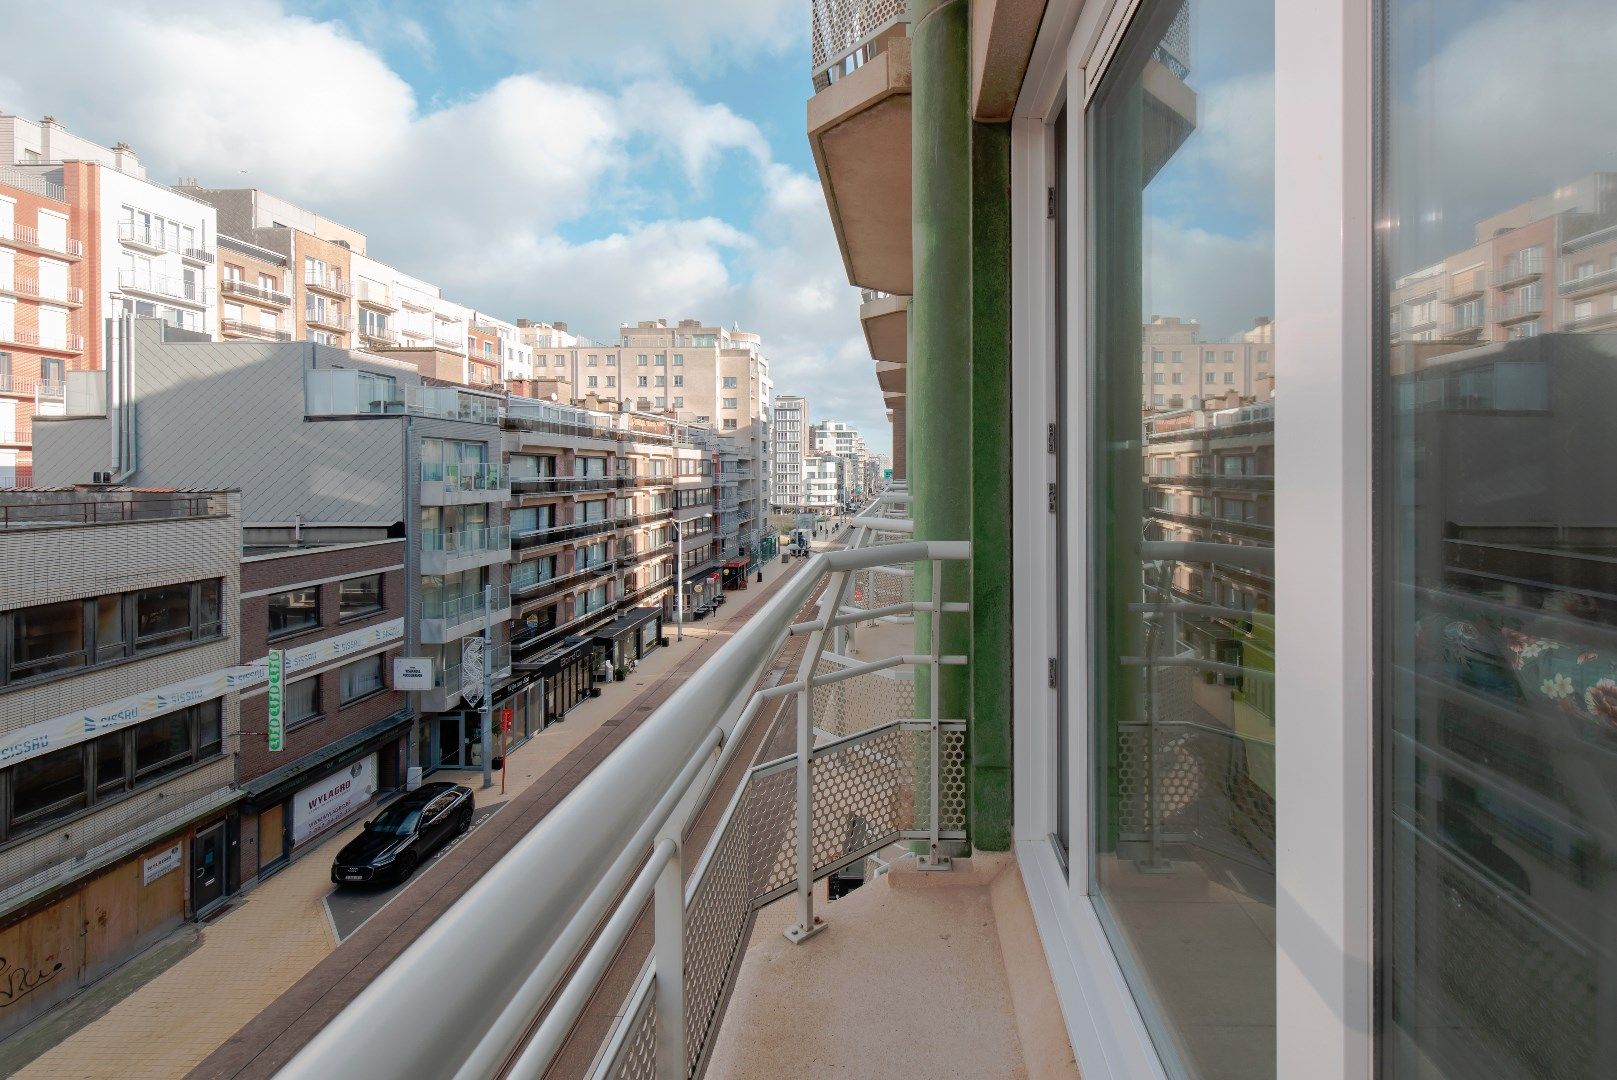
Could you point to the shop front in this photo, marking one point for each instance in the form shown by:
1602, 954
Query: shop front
550, 686
631, 636
286, 810
735, 573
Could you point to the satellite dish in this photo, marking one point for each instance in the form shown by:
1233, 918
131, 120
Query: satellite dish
553, 395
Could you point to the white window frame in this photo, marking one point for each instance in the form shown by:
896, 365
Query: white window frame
1325, 867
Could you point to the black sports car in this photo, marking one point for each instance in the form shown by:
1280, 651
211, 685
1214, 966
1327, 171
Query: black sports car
403, 835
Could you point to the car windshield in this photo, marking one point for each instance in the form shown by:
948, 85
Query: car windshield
397, 820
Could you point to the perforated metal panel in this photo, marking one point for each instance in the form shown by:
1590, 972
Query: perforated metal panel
863, 702
638, 1058
841, 26
1205, 792
718, 921
951, 779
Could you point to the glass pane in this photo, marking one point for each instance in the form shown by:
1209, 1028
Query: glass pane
109, 628
360, 678
109, 764
209, 607
163, 615
210, 729
360, 595
47, 787
1182, 162
294, 610
162, 744
1497, 362
47, 638
302, 700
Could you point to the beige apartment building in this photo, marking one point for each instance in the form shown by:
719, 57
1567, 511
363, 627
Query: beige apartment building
1179, 370
255, 299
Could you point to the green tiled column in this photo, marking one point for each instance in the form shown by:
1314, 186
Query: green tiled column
940, 362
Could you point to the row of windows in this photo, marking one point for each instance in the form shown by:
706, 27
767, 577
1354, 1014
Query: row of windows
297, 610
1157, 356
43, 790
75, 634
1211, 377
360, 679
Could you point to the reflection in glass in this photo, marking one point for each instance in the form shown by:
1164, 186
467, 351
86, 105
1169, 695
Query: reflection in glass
1497, 296
1183, 527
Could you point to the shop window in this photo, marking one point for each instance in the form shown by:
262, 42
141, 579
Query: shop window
293, 611
359, 596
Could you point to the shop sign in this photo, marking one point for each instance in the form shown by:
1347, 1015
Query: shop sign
276, 730
164, 861
323, 804
412, 673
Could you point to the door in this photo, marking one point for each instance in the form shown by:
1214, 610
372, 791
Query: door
272, 836
207, 868
449, 739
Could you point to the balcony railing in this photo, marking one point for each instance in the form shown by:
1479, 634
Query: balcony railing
1519, 306
188, 291
258, 293
471, 477
865, 773
563, 485
29, 287
373, 295
466, 541
27, 236
561, 534
329, 318
24, 384
448, 403
66, 343
1517, 270
327, 282
238, 328
460, 610
1599, 281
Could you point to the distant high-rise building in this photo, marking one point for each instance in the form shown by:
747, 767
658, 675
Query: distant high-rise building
792, 450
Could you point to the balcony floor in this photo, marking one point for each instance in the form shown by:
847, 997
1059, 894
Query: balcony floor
917, 975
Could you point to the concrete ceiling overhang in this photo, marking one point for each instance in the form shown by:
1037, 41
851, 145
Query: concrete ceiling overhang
886, 323
1002, 36
859, 131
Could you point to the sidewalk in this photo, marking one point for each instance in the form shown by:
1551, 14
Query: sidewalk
280, 932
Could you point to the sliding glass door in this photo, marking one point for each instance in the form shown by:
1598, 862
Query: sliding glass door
1183, 374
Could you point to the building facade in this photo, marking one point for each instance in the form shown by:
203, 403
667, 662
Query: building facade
118, 727
791, 450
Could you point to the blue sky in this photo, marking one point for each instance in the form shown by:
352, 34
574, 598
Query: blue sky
593, 162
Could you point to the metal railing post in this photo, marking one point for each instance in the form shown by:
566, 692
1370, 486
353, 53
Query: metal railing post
934, 859
668, 961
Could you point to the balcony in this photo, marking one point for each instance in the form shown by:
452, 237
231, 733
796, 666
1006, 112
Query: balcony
561, 534
446, 681
549, 586
375, 296
24, 386
328, 318
1598, 321
449, 551
258, 294
566, 485
1518, 307
29, 288
175, 290
449, 403
378, 339
236, 328
859, 132
455, 484
27, 238
1518, 271
445, 619
448, 340
30, 339
1464, 329
1587, 284
873, 785
328, 283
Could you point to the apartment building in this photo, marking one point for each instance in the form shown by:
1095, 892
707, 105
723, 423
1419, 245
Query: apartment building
823, 483
831, 438
255, 298
338, 447
42, 309
791, 451
118, 727
1179, 370
335, 612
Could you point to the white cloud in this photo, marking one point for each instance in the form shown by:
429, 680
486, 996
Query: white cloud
1223, 282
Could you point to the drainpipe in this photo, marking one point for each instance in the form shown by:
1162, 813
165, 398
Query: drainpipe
940, 368
120, 383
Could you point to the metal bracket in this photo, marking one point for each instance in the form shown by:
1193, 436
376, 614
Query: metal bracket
796, 933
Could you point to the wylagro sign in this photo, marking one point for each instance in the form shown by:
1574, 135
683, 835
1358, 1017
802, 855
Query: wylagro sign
44, 736
158, 865
321, 805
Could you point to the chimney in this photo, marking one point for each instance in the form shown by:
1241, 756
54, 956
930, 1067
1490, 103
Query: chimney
560, 326
124, 159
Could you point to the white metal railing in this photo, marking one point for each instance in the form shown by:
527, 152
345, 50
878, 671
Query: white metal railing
460, 610
467, 541
28, 236
263, 294
864, 774
190, 290
844, 34
466, 476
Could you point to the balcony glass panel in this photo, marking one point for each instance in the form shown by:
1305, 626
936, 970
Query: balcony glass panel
1497, 585
1184, 720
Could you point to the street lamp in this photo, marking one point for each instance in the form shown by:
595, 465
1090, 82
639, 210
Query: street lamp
679, 585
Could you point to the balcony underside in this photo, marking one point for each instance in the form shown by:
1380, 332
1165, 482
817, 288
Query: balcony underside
917, 975
859, 130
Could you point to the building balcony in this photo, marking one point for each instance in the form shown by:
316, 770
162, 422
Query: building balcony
566, 485
236, 328
27, 238
328, 318
24, 386
456, 484
1589, 284
449, 551
1600, 321
414, 334
735, 977
1464, 330
378, 339
859, 132
411, 303
173, 290
258, 294
1467, 286
445, 619
449, 403
448, 340
446, 681
1518, 307
1518, 271
28, 288
328, 283
199, 255
375, 296
30, 339
561, 534
538, 590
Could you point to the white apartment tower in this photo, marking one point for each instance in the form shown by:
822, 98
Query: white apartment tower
792, 450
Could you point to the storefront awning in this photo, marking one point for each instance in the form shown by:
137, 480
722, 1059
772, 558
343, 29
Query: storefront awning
627, 622
736, 564
552, 660
276, 784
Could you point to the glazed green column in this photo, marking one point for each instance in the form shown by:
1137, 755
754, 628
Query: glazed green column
988, 779
939, 378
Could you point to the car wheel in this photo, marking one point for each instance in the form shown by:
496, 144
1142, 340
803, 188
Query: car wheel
406, 867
